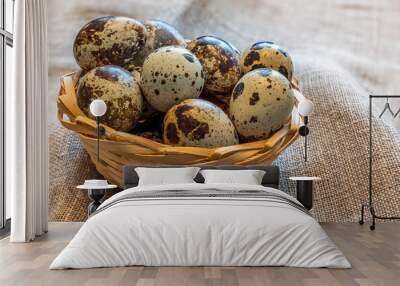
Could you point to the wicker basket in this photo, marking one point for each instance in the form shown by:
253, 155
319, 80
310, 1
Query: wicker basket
120, 148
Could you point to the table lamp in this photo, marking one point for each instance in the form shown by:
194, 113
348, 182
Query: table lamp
305, 108
98, 108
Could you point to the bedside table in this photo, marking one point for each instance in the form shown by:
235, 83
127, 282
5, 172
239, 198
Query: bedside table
96, 194
305, 190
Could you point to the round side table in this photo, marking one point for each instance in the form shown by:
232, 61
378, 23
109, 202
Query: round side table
305, 190
96, 194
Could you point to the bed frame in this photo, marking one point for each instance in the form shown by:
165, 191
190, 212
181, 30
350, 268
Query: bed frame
271, 177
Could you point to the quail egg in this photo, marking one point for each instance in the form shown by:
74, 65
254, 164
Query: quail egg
220, 63
197, 122
119, 90
267, 55
109, 40
261, 103
159, 34
170, 75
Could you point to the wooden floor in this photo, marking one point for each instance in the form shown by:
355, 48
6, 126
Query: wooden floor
375, 257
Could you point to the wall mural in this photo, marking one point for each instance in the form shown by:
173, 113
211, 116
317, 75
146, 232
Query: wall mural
152, 126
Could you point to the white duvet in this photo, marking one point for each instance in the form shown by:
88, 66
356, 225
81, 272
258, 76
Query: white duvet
200, 231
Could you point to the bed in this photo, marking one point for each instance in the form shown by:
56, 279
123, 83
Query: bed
199, 224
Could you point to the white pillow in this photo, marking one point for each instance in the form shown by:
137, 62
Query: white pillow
166, 176
248, 177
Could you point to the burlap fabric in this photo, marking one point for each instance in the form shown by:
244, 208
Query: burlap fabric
69, 166
338, 150
359, 36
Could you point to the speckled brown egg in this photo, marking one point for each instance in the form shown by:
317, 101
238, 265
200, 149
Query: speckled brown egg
119, 90
197, 122
261, 103
159, 34
170, 75
109, 40
220, 63
267, 55
147, 110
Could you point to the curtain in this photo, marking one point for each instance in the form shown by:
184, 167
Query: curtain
26, 123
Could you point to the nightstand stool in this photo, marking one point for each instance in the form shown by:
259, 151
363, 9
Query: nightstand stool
305, 190
96, 194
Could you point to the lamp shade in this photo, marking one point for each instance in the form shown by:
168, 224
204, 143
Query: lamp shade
306, 107
98, 107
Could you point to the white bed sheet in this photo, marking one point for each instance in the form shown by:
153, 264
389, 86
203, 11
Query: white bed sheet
200, 231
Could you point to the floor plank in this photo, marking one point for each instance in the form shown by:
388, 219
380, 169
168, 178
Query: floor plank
375, 257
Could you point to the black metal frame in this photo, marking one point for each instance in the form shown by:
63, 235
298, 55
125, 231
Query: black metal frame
304, 131
370, 204
96, 195
304, 193
6, 39
100, 131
